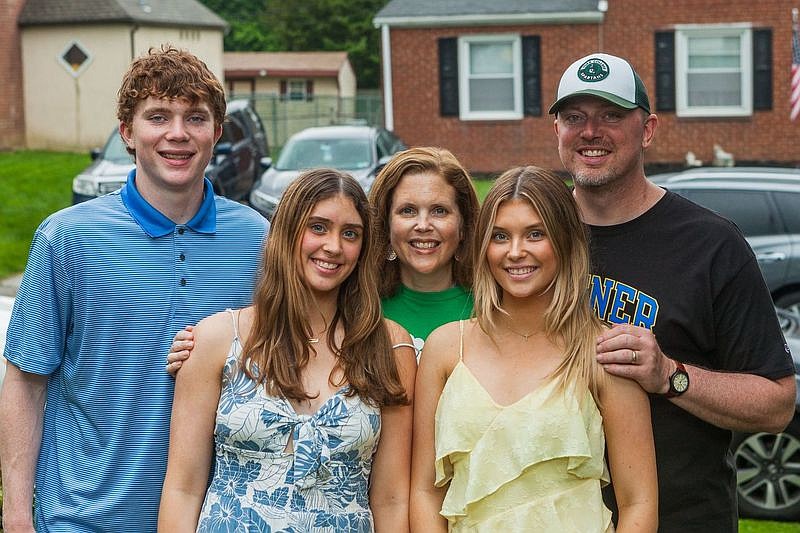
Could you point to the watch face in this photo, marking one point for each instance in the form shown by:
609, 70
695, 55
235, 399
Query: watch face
680, 382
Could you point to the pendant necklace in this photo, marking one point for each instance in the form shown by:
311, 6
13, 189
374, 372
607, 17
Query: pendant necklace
523, 335
315, 340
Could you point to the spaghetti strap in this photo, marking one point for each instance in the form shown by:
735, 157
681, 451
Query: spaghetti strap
461, 340
404, 345
234, 319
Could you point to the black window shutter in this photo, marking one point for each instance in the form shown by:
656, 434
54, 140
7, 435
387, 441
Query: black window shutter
665, 71
531, 76
448, 77
309, 90
762, 69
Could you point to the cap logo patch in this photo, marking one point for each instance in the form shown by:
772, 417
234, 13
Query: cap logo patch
593, 70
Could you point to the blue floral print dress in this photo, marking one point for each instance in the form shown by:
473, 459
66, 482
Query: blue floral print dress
279, 471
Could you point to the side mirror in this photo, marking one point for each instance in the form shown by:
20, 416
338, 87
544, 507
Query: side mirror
265, 162
94, 153
223, 148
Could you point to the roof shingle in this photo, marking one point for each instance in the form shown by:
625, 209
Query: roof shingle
284, 63
152, 12
397, 10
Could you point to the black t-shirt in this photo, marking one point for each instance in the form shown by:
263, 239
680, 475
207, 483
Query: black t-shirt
689, 276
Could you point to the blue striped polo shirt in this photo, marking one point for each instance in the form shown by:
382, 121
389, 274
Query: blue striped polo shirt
107, 285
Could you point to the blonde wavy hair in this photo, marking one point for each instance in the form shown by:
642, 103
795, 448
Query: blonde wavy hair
569, 320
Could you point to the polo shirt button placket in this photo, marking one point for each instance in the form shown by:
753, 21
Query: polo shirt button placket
182, 259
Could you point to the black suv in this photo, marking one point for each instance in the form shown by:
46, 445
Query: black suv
765, 203
240, 155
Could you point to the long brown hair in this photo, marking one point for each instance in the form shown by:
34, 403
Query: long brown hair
569, 320
277, 349
416, 161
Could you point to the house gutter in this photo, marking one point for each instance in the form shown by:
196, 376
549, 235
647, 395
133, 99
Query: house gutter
134, 29
386, 57
582, 17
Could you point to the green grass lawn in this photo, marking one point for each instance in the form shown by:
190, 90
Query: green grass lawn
32, 186
482, 187
763, 526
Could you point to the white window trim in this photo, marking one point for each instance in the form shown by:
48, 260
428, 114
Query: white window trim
289, 92
745, 34
463, 77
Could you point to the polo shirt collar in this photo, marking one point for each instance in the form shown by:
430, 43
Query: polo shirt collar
155, 224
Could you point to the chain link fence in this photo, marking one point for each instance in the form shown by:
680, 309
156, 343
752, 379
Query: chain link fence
283, 117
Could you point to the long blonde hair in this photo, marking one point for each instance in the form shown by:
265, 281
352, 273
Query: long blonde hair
568, 320
277, 349
416, 161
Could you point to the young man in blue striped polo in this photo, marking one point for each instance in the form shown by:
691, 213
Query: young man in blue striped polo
85, 404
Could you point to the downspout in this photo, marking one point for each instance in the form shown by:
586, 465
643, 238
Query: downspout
602, 7
386, 52
134, 29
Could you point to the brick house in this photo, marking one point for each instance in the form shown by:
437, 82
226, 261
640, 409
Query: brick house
12, 123
478, 77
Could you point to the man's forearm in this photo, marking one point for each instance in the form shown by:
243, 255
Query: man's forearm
740, 402
21, 413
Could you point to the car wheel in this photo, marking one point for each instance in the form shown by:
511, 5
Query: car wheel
768, 473
790, 302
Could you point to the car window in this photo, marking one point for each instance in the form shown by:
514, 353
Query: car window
384, 144
254, 120
750, 210
115, 151
342, 154
789, 207
232, 131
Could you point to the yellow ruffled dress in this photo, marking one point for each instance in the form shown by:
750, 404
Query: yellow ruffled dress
535, 465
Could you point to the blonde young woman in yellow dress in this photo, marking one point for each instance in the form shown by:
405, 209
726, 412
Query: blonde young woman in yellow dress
512, 412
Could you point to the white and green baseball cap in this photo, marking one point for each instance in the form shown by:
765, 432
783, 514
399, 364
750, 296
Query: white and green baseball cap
605, 76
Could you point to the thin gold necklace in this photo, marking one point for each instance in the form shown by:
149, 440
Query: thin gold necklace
523, 335
315, 340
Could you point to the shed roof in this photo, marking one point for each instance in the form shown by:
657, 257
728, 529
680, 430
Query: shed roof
151, 12
313, 64
481, 12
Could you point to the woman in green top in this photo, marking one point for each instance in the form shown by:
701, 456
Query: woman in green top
426, 208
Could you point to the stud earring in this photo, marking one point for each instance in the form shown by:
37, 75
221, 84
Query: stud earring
392, 255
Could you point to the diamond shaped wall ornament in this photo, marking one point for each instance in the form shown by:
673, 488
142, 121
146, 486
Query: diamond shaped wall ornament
75, 58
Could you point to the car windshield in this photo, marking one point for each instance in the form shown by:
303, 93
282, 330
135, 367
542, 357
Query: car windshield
341, 154
115, 151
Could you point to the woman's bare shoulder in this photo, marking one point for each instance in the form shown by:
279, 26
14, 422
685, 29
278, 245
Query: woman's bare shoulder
214, 334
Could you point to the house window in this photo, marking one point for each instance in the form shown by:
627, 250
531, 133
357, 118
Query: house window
714, 71
490, 77
296, 89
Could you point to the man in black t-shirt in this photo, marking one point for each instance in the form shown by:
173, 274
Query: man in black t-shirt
693, 321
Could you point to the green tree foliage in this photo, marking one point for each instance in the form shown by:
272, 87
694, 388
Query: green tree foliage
306, 25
